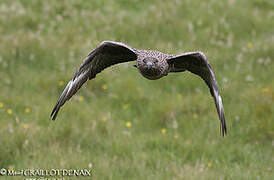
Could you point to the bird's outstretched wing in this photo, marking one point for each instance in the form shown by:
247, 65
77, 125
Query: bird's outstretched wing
197, 63
106, 54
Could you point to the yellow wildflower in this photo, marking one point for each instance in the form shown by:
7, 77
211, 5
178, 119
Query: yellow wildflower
249, 45
10, 167
126, 106
61, 83
128, 124
163, 131
104, 118
209, 164
25, 125
195, 115
179, 96
81, 98
264, 90
104, 86
9, 111
27, 110
176, 136
1, 104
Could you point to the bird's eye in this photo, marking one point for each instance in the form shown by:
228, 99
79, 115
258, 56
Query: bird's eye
156, 61
145, 61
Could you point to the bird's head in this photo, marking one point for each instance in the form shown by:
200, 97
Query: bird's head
150, 63
150, 68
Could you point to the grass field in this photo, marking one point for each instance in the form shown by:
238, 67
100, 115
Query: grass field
121, 125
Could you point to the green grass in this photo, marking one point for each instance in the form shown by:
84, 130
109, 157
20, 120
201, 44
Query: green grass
42, 43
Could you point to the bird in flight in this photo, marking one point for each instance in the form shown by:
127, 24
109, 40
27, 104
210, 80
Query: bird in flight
151, 64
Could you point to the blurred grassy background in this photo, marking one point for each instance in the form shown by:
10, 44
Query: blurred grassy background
121, 125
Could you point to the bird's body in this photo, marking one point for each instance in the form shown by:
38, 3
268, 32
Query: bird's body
151, 64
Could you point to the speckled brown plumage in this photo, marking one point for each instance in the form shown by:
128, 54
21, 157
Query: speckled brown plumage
151, 64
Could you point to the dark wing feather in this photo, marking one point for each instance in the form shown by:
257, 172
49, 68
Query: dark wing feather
197, 63
106, 54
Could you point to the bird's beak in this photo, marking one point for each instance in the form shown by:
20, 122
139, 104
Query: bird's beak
149, 65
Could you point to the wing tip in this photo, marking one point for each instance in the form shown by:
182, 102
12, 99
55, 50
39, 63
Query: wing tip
220, 110
55, 111
223, 128
223, 131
